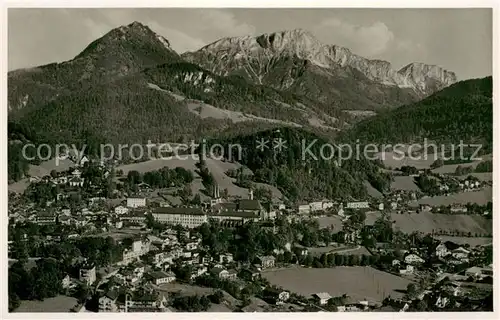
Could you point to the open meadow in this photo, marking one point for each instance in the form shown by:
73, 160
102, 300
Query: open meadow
480, 197
55, 304
472, 241
358, 283
217, 168
427, 222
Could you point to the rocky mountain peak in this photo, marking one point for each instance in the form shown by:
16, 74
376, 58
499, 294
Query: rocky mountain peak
427, 77
133, 33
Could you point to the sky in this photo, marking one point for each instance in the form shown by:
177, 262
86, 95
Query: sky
459, 40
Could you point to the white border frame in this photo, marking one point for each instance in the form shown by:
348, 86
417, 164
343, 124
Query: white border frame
243, 4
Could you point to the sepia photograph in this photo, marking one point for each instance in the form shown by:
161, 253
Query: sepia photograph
249, 160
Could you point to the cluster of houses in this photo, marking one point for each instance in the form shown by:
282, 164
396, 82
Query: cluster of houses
161, 253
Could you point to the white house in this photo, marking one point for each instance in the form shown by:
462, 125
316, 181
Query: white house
136, 202
442, 251
358, 205
121, 210
408, 270
413, 259
460, 253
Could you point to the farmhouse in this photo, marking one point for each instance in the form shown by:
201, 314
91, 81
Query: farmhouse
267, 261
111, 302
276, 296
413, 259
321, 298
220, 273
249, 274
442, 250
460, 253
121, 210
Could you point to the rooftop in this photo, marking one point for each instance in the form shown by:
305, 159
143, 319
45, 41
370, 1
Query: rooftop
178, 210
248, 204
323, 295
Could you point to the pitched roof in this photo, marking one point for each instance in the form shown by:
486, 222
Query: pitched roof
323, 295
113, 295
249, 204
159, 274
178, 210
238, 214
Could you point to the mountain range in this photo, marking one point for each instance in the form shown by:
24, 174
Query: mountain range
131, 86
258, 59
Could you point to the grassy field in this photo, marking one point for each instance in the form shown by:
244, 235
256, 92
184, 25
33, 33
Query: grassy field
333, 221
56, 304
405, 183
189, 290
450, 168
394, 160
372, 192
481, 197
473, 242
426, 222
41, 170
357, 282
482, 176
344, 250
217, 168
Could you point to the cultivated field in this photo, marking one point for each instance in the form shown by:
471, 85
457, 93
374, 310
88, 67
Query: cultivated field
357, 282
481, 197
427, 222
56, 304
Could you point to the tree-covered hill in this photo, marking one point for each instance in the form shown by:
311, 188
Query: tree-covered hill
300, 171
463, 111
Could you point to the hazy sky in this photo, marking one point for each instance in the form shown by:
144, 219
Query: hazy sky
459, 40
